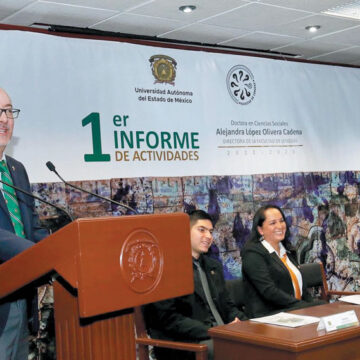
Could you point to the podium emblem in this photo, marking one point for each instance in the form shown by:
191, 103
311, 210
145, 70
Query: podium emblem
141, 261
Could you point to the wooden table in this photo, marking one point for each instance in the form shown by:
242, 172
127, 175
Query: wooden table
249, 340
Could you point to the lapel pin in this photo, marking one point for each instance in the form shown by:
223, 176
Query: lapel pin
212, 272
13, 167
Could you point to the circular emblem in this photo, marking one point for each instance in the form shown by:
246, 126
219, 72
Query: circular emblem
163, 68
141, 261
241, 84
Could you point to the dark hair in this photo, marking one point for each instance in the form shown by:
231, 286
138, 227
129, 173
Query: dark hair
259, 219
196, 215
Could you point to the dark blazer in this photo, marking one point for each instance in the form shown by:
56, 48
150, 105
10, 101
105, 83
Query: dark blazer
268, 283
10, 243
186, 318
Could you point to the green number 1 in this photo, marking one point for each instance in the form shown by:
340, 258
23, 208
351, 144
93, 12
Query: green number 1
97, 155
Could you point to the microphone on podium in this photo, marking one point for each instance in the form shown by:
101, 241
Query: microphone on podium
37, 198
51, 167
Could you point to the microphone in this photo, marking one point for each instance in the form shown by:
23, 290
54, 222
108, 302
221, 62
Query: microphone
51, 167
37, 198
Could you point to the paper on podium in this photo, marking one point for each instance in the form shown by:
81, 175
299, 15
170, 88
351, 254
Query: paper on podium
287, 319
352, 299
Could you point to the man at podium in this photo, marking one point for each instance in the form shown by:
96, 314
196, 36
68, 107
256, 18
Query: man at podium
19, 229
188, 318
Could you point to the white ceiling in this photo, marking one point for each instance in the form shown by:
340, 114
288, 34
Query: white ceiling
270, 25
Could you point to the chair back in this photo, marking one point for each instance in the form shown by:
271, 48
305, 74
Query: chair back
236, 291
143, 341
314, 277
141, 333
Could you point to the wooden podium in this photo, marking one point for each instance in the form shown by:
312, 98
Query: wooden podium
103, 267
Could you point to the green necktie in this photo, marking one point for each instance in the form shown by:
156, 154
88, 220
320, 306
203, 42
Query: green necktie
11, 200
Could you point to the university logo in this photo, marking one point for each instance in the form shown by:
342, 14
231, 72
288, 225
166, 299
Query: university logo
141, 261
241, 84
163, 68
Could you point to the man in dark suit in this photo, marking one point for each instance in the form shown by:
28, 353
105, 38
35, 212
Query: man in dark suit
188, 318
19, 229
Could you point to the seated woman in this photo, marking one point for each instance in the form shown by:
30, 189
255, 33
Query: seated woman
273, 282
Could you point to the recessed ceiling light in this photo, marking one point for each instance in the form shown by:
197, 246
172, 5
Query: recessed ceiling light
187, 8
313, 28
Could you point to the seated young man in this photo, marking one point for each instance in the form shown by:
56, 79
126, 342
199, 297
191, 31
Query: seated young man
188, 318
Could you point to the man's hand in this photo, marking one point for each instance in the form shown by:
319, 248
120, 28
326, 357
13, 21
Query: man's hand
235, 320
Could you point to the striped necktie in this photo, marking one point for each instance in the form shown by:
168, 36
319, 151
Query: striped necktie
11, 200
293, 278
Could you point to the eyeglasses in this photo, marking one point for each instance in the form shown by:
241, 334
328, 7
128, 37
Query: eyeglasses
10, 113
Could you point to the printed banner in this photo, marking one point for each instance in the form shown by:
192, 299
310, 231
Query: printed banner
103, 109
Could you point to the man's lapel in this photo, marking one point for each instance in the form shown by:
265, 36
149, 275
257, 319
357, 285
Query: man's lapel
14, 175
198, 288
3, 206
210, 272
